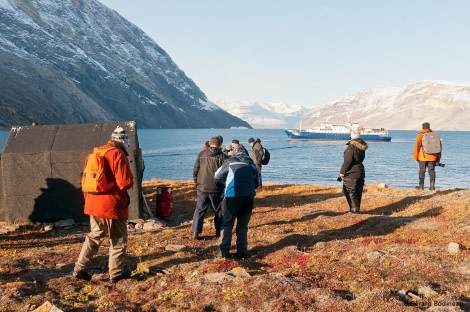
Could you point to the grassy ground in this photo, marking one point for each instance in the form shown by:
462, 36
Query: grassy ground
305, 254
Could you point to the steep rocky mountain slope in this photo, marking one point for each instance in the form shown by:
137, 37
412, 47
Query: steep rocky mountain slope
79, 62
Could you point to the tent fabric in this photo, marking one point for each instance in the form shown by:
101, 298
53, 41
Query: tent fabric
41, 169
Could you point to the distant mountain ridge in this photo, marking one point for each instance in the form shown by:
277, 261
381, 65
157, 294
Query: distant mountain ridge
80, 62
446, 105
263, 114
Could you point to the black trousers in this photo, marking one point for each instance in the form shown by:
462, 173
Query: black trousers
352, 189
429, 165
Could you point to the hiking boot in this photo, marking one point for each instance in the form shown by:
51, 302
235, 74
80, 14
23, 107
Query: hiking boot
220, 254
420, 185
82, 275
241, 256
126, 273
195, 236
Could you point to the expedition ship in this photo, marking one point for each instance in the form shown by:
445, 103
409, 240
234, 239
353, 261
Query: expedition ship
342, 132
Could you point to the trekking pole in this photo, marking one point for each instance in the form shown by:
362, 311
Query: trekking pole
146, 205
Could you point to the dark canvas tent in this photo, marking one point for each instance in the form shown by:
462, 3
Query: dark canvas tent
41, 169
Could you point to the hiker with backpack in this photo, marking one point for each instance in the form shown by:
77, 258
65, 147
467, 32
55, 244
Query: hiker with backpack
427, 151
106, 178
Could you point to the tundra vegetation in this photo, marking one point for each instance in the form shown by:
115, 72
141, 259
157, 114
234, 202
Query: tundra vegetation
406, 251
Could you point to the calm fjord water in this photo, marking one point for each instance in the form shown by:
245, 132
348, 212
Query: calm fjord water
170, 154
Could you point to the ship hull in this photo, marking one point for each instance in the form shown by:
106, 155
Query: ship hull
319, 136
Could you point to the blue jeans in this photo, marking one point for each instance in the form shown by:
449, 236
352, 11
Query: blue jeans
203, 202
240, 209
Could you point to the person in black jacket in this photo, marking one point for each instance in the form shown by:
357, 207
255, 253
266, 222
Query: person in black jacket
208, 192
352, 171
240, 176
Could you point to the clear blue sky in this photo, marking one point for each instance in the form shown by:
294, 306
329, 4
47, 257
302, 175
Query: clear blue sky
306, 52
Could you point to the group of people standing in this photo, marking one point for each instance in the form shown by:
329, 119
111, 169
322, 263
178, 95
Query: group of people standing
226, 180
352, 171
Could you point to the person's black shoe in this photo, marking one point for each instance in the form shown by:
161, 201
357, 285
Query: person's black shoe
82, 275
354, 211
241, 256
219, 254
126, 273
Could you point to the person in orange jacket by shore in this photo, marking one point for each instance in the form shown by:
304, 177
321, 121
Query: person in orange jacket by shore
109, 213
425, 161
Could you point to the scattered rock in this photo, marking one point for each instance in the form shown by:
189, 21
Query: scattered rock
454, 248
150, 226
426, 291
48, 227
403, 295
375, 255
382, 186
65, 223
49, 307
239, 272
175, 247
217, 277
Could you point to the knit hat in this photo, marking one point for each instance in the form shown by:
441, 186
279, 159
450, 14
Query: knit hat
238, 149
355, 134
228, 148
120, 135
215, 140
250, 140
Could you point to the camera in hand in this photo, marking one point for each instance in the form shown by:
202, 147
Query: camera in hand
339, 179
438, 163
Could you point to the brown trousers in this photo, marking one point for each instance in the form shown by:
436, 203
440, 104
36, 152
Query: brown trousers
101, 228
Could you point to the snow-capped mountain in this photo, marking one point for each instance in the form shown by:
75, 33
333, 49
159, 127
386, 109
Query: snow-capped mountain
76, 61
445, 105
263, 114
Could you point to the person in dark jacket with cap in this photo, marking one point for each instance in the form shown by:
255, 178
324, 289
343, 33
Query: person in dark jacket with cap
240, 177
257, 153
352, 171
208, 192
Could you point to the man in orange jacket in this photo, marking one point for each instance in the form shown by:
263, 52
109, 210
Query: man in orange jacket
109, 213
425, 160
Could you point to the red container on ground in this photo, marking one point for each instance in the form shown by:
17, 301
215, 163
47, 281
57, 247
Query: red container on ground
164, 201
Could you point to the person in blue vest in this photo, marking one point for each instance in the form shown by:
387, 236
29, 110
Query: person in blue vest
240, 176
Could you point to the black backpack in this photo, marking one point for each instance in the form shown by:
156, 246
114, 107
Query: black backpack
266, 157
